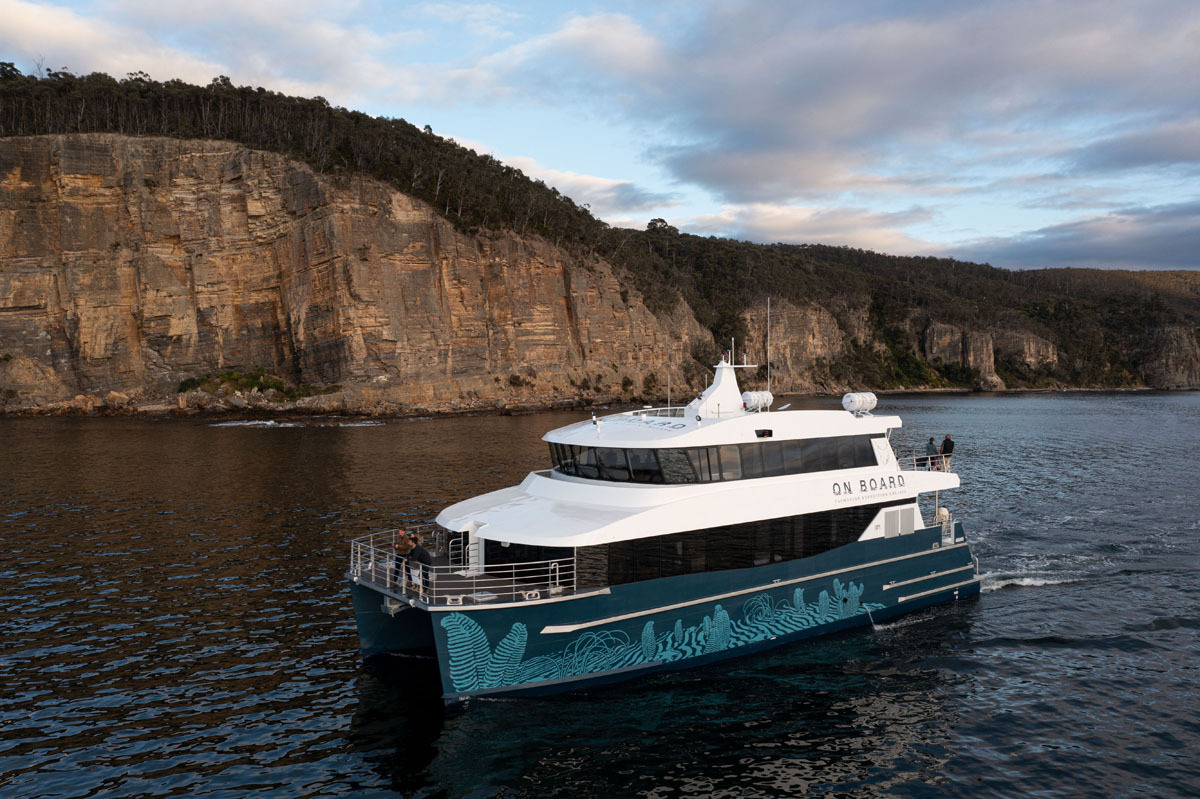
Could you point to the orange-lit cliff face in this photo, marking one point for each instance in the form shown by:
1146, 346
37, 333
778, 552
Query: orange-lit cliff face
129, 264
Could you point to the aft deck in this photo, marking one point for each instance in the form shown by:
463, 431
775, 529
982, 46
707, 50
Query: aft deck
455, 577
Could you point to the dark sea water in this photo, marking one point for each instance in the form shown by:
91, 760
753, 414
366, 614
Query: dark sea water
175, 621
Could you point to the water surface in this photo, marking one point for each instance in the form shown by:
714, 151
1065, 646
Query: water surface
175, 621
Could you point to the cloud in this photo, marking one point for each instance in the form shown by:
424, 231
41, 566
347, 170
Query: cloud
60, 38
291, 47
1169, 144
854, 227
608, 198
484, 20
1158, 237
784, 101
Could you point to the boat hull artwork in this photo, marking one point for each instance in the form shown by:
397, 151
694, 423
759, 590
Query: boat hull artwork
627, 630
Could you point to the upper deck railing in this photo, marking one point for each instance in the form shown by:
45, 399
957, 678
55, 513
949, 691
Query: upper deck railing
459, 579
675, 411
925, 463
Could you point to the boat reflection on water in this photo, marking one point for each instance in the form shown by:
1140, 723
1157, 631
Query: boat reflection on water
399, 719
865, 709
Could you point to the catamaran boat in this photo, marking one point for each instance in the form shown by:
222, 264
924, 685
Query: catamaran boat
667, 538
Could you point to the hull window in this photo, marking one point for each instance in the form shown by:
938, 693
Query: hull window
736, 546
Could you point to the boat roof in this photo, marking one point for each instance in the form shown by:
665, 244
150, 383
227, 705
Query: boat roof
718, 416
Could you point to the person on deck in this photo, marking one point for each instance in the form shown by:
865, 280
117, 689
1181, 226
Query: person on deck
400, 561
931, 453
419, 563
947, 451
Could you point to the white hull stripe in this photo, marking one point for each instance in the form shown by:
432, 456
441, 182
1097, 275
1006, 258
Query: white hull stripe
570, 628
938, 590
930, 576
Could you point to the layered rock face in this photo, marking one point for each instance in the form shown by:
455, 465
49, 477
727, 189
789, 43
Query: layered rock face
132, 263
949, 344
802, 342
1175, 359
129, 264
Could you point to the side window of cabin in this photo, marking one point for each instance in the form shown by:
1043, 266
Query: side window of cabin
752, 460
820, 455
731, 462
772, 457
585, 463
700, 462
643, 466
707, 464
676, 466
793, 457
738, 546
846, 451
613, 465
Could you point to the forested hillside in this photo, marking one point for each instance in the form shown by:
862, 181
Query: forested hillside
1106, 326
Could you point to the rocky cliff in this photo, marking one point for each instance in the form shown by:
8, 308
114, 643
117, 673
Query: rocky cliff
128, 265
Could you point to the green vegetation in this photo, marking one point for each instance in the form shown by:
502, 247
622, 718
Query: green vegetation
1101, 322
6, 357
245, 382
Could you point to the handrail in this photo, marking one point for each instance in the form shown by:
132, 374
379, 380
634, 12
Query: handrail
925, 463
373, 560
670, 410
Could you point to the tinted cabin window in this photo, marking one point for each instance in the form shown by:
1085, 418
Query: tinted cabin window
752, 460
737, 546
676, 466
613, 465
709, 464
772, 457
585, 463
731, 462
793, 459
643, 466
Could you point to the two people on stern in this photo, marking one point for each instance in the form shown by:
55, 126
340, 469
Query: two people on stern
411, 556
938, 459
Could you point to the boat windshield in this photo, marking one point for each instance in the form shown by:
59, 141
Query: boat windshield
714, 464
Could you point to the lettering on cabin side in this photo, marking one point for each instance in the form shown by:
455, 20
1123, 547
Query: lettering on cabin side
869, 485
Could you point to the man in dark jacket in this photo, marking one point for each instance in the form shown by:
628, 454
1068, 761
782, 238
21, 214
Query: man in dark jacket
419, 563
947, 451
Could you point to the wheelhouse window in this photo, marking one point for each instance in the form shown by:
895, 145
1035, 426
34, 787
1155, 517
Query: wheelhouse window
713, 464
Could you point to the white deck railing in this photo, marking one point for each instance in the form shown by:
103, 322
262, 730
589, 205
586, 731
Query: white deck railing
458, 580
925, 463
673, 411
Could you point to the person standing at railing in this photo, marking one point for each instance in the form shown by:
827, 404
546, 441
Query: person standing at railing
947, 451
931, 453
400, 561
419, 563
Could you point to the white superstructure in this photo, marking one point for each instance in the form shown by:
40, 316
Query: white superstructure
556, 509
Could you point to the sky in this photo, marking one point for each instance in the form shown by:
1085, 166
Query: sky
1022, 133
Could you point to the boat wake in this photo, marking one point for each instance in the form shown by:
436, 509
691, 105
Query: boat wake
271, 423
256, 423
999, 582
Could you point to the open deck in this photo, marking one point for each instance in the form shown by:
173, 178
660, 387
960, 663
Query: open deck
455, 578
